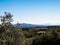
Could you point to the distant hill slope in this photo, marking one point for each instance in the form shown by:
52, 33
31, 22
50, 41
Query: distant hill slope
25, 25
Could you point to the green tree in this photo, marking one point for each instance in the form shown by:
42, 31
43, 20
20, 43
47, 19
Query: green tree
10, 35
6, 18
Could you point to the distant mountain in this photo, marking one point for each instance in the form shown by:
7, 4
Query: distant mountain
25, 25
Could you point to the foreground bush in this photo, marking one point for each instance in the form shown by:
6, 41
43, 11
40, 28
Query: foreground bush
50, 38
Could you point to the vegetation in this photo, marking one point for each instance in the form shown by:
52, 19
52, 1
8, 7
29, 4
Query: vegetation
10, 35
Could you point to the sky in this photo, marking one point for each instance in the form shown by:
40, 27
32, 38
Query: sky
32, 11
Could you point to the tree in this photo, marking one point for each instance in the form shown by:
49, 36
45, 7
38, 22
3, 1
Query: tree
18, 25
7, 18
10, 35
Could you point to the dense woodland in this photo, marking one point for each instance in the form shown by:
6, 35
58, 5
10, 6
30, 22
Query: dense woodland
10, 35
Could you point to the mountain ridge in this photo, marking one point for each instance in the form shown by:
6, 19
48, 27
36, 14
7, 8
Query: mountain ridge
25, 25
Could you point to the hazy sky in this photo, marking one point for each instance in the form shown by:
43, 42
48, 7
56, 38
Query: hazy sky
32, 11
